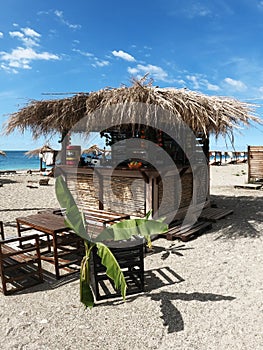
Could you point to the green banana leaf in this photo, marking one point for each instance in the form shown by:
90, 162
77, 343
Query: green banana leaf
113, 270
86, 295
124, 230
74, 218
76, 222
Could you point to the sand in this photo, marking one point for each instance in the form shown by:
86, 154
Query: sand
213, 298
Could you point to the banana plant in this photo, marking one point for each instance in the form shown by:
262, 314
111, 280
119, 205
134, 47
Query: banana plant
125, 230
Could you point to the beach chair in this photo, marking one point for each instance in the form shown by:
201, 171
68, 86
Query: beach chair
20, 268
131, 261
44, 182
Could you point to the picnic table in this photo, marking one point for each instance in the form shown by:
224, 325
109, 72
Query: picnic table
52, 226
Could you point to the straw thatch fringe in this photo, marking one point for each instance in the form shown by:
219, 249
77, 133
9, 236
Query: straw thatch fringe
37, 151
202, 113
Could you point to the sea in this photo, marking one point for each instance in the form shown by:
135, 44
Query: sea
17, 160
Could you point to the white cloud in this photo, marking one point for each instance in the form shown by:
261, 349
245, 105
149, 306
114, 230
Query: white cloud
31, 32
16, 34
60, 15
83, 53
29, 53
199, 82
28, 36
100, 63
236, 84
124, 55
8, 69
133, 71
198, 10
212, 87
191, 9
96, 62
194, 80
1, 35
155, 72
21, 57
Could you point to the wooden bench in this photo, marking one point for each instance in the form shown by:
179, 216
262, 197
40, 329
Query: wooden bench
92, 215
103, 217
20, 268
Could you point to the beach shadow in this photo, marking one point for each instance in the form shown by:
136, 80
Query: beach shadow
154, 279
172, 249
171, 316
50, 282
5, 181
160, 277
247, 216
23, 209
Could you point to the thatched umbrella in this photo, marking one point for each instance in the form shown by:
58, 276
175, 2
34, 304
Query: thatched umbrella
93, 149
39, 152
202, 113
2, 153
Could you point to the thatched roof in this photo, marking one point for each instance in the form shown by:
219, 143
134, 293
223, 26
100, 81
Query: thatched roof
35, 152
2, 153
202, 113
93, 149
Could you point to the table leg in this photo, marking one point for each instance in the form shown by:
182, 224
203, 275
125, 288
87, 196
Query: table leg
55, 253
18, 229
19, 233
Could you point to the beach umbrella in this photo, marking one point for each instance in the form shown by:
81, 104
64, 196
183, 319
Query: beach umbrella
2, 153
93, 149
37, 151
202, 113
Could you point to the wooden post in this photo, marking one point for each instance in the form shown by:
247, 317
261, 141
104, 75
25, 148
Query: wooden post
64, 143
249, 163
155, 193
149, 195
101, 188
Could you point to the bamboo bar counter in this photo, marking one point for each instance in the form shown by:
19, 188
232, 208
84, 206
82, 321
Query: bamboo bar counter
133, 191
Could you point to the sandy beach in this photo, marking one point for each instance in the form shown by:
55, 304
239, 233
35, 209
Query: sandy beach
210, 299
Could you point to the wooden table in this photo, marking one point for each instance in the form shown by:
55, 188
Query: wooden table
49, 224
52, 225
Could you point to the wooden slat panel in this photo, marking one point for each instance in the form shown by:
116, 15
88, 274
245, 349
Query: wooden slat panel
255, 163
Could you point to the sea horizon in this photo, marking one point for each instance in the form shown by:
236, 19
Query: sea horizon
17, 160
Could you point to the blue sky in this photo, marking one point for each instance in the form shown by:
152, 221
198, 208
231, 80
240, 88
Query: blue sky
214, 47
